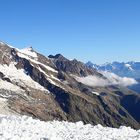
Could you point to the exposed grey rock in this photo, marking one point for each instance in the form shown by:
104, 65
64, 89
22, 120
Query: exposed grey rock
63, 98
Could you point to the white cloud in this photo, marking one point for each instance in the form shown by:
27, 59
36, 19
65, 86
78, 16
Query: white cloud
116, 80
92, 81
112, 79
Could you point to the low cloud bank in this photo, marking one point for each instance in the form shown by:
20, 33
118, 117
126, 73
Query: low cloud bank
116, 80
112, 79
92, 81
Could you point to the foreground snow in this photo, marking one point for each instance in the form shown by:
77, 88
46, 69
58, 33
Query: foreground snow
25, 128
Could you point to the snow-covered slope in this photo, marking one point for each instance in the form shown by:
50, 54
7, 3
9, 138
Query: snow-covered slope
28, 51
19, 76
25, 128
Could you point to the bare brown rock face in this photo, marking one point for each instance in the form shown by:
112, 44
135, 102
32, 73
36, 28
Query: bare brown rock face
45, 88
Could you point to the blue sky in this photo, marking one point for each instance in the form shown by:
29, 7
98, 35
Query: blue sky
97, 30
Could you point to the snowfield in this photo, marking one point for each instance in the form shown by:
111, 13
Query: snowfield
26, 128
17, 76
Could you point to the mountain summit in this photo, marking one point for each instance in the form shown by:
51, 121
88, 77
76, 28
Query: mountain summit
55, 88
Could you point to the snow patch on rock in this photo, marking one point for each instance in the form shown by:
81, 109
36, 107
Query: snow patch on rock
36, 62
9, 86
28, 51
128, 66
19, 76
4, 107
96, 93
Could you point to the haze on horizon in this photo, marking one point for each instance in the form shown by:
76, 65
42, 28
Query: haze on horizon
96, 30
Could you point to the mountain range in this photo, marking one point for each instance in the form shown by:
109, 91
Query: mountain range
128, 69
123, 69
56, 88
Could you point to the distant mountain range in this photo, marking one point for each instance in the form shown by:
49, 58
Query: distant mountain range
129, 69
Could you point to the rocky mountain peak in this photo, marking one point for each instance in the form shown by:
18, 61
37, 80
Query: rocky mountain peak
57, 56
28, 49
46, 88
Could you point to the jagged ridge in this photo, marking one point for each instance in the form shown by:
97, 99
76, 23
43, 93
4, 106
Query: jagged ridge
46, 88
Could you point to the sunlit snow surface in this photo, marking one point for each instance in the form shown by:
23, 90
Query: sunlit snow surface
18, 76
25, 128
